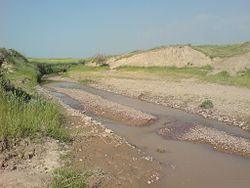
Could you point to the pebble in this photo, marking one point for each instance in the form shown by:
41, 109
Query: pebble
88, 118
108, 131
148, 158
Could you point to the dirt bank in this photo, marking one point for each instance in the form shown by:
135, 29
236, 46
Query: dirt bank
233, 64
27, 164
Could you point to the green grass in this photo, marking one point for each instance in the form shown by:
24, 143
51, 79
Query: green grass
240, 79
86, 68
55, 60
201, 73
67, 178
22, 118
23, 113
24, 76
21, 72
207, 104
87, 81
224, 50
183, 72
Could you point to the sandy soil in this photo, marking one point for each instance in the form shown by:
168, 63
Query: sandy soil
26, 164
181, 56
231, 104
232, 64
171, 56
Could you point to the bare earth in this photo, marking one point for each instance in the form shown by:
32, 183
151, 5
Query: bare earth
27, 164
172, 56
181, 56
232, 104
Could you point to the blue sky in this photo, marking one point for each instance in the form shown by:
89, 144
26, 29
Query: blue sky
81, 28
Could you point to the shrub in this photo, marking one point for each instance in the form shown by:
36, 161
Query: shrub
207, 104
100, 59
82, 61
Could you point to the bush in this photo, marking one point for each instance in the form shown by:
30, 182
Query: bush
100, 59
82, 61
207, 104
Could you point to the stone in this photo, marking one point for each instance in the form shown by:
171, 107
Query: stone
108, 131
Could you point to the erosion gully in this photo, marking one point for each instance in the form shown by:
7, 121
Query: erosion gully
184, 164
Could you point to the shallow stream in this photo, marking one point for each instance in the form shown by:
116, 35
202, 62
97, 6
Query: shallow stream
184, 164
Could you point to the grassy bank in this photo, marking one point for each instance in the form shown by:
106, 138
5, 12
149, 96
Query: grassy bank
86, 68
19, 70
55, 60
224, 50
88, 74
23, 112
240, 79
183, 72
33, 117
53, 68
201, 73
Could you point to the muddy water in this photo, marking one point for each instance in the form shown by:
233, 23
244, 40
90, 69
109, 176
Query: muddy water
184, 164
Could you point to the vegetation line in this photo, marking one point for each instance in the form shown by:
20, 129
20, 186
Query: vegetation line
203, 73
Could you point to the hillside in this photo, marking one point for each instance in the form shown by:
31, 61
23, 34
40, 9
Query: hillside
223, 51
231, 58
178, 56
18, 69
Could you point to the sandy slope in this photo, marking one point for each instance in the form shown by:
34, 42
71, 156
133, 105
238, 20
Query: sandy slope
171, 56
181, 56
233, 64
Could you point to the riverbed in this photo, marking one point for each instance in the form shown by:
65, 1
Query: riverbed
185, 164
